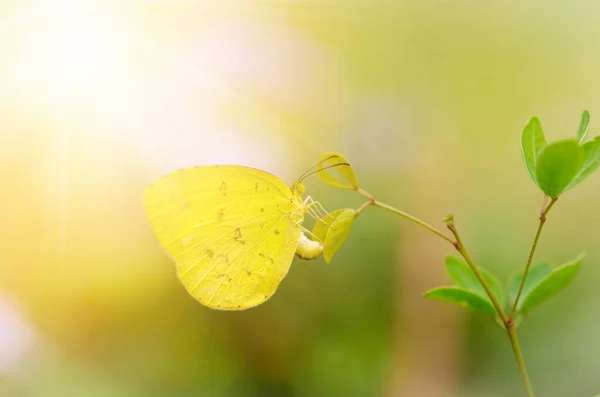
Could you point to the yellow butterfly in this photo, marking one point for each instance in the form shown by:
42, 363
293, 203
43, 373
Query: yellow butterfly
231, 230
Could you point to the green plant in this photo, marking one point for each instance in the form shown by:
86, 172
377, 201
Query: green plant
555, 168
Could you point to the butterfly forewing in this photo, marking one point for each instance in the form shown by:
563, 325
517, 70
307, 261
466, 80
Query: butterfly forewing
230, 230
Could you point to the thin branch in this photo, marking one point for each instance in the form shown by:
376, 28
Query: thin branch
543, 215
377, 203
508, 322
514, 342
461, 248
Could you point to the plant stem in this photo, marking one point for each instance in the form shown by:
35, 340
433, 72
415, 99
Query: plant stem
363, 206
461, 248
543, 215
508, 322
376, 203
512, 335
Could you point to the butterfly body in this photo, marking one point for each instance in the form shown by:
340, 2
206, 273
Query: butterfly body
308, 249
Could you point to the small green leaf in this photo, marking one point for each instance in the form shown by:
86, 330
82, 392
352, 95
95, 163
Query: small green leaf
462, 275
532, 142
584, 126
591, 155
338, 232
345, 170
462, 297
557, 165
552, 284
324, 224
536, 273
333, 229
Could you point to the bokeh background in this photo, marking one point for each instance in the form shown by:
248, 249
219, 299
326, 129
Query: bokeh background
426, 98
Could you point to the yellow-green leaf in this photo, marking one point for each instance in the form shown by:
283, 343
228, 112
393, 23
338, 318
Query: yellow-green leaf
333, 229
322, 226
345, 179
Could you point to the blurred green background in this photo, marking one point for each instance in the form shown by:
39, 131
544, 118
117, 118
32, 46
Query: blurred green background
427, 99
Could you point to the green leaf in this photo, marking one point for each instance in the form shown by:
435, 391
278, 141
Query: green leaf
338, 232
532, 142
557, 165
347, 179
462, 297
333, 229
591, 155
536, 273
462, 275
552, 284
322, 226
584, 126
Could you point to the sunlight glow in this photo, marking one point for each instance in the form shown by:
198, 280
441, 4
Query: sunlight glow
75, 44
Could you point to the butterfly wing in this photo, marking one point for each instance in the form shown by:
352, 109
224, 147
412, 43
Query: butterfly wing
228, 229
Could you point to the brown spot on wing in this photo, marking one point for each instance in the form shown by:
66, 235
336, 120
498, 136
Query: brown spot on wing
268, 258
238, 236
210, 253
224, 188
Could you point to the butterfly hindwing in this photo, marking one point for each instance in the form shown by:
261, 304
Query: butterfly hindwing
228, 230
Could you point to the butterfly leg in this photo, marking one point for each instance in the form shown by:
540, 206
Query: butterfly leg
317, 215
309, 203
318, 208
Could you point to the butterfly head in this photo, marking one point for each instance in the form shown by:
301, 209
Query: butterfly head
297, 188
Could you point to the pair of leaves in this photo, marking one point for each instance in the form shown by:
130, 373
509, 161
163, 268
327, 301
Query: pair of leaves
333, 229
559, 166
468, 291
542, 283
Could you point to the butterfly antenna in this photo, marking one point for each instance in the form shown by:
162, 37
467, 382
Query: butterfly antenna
313, 167
305, 175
